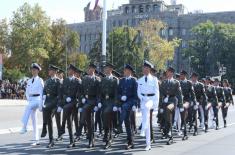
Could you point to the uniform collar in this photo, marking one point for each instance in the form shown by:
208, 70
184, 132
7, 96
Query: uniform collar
128, 78
110, 76
71, 77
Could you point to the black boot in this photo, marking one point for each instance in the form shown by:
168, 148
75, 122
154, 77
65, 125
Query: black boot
72, 144
44, 131
51, 144
129, 146
107, 145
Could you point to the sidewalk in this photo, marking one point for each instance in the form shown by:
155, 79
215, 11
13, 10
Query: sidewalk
10, 102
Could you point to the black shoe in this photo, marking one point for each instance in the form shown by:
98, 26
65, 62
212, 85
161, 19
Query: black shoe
60, 138
195, 133
185, 137
216, 128
116, 135
152, 141
71, 145
76, 139
43, 134
51, 145
170, 141
130, 146
62, 132
91, 145
107, 145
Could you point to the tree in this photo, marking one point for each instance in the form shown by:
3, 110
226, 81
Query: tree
156, 49
78, 59
212, 46
30, 37
4, 36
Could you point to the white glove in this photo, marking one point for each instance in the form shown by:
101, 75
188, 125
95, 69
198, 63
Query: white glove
40, 108
44, 97
166, 99
59, 109
134, 108
195, 107
120, 109
197, 103
96, 109
79, 109
68, 99
115, 108
99, 105
83, 100
191, 104
124, 98
161, 110
181, 109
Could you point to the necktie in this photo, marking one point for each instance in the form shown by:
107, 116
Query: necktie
33, 80
146, 79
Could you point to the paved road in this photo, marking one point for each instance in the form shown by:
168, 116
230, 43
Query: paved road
214, 142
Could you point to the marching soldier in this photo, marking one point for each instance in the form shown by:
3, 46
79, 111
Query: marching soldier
69, 92
201, 98
148, 93
51, 95
60, 76
220, 94
34, 91
108, 91
127, 94
189, 103
171, 96
212, 101
78, 74
90, 98
229, 100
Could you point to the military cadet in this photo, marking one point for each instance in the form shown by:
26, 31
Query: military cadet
60, 76
90, 98
51, 94
189, 103
148, 93
78, 74
98, 119
34, 91
212, 105
127, 94
176, 113
117, 114
229, 100
109, 98
69, 93
220, 94
201, 97
171, 96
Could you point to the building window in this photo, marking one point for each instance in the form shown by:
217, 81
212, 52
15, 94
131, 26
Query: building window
133, 22
127, 10
120, 23
155, 8
85, 37
148, 8
184, 44
133, 9
114, 23
163, 32
171, 32
183, 32
141, 9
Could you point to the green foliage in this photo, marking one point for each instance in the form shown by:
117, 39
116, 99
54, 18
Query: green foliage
12, 74
213, 45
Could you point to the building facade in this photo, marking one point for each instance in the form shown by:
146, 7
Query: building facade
179, 23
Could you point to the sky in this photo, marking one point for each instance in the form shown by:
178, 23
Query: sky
72, 10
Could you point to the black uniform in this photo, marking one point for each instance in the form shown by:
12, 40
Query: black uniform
201, 97
69, 92
90, 96
229, 100
170, 93
190, 99
109, 98
51, 92
213, 99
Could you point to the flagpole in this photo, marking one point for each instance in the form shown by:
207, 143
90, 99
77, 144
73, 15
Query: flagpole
104, 37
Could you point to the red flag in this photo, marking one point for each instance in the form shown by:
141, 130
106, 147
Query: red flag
96, 4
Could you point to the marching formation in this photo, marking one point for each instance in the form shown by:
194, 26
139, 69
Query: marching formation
103, 102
